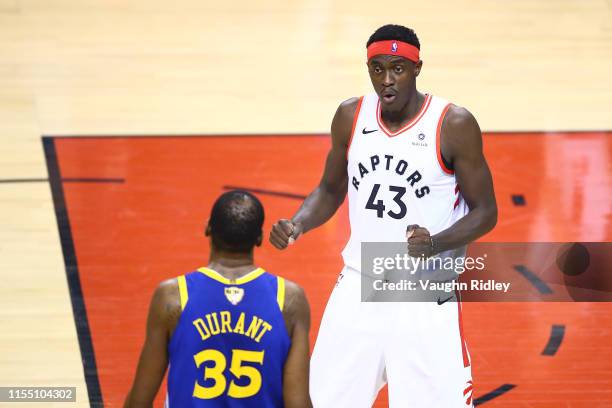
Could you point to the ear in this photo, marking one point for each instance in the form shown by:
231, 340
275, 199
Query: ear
259, 239
417, 68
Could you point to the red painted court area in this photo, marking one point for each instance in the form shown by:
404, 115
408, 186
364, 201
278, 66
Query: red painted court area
147, 226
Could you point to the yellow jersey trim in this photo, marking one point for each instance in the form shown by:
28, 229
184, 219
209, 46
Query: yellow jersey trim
280, 292
182, 284
243, 279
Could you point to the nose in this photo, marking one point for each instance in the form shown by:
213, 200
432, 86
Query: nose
388, 79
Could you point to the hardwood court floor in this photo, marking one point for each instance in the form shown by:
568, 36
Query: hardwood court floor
108, 67
134, 209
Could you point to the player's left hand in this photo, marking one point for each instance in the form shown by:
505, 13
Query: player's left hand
419, 241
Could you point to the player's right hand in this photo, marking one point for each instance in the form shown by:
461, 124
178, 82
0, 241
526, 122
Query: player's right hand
284, 233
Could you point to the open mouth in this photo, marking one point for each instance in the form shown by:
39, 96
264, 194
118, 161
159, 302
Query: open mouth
388, 96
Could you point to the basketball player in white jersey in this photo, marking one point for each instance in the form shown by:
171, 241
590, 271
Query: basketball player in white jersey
413, 167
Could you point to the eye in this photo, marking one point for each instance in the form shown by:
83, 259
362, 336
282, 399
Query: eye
398, 69
377, 69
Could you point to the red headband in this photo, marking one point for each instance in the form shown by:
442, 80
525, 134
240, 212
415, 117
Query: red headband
393, 47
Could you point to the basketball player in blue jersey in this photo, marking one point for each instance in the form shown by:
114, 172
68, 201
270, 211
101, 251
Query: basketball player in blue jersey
413, 168
232, 334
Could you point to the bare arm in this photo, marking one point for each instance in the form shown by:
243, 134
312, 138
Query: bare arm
323, 202
462, 146
296, 371
163, 314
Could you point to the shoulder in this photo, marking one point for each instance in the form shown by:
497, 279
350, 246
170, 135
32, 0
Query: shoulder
167, 289
296, 309
459, 120
294, 292
166, 302
348, 107
460, 129
343, 119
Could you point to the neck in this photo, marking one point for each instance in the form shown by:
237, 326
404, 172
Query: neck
396, 119
232, 265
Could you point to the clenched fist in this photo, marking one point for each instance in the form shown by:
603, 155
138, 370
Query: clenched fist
420, 243
284, 233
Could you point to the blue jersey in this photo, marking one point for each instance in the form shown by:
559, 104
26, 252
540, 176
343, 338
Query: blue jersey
230, 344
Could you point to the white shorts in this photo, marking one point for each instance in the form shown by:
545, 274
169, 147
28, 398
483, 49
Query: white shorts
415, 347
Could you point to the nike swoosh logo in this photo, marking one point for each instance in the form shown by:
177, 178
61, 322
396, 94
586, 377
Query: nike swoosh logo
365, 132
440, 302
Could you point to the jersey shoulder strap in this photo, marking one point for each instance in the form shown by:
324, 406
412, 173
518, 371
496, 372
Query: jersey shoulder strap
187, 281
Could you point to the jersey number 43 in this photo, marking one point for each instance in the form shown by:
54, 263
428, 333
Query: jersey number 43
216, 373
379, 206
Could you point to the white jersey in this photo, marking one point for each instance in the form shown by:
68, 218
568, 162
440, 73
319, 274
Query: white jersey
396, 179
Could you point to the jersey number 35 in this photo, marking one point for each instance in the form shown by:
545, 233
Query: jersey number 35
216, 373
